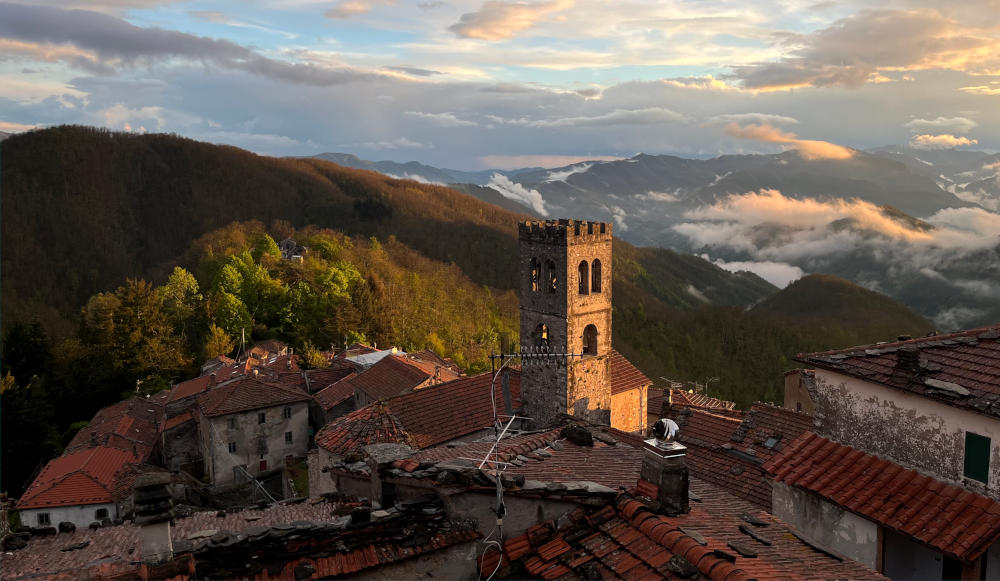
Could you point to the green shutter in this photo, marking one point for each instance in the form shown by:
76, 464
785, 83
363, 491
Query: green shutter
977, 457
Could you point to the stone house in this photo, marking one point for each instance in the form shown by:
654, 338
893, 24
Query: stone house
75, 487
902, 399
246, 427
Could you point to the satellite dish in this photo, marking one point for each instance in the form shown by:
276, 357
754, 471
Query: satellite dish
665, 429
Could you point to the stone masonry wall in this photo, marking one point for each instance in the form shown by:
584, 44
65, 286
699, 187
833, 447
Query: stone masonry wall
578, 387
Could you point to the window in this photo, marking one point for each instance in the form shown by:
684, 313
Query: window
550, 273
232, 447
536, 274
595, 276
43, 519
262, 446
584, 269
100, 513
771, 442
977, 457
286, 413
231, 423
263, 465
288, 437
542, 335
261, 417
590, 340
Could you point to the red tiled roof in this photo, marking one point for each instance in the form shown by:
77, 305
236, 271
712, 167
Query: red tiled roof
948, 518
454, 409
679, 397
508, 448
393, 375
703, 428
338, 370
627, 540
335, 393
195, 386
245, 395
624, 376
372, 424
82, 477
115, 552
433, 358
656, 398
769, 424
612, 466
968, 360
177, 420
131, 425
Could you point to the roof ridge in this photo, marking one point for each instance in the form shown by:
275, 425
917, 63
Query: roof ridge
915, 340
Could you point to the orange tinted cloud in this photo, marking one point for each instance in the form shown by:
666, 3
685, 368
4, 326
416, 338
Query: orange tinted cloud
943, 141
807, 148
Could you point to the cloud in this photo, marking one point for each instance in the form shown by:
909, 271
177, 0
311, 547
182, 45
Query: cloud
981, 90
440, 119
952, 124
349, 8
618, 215
539, 160
11, 127
414, 71
102, 43
561, 176
808, 149
780, 274
844, 54
515, 191
417, 178
659, 196
398, 143
943, 141
649, 115
756, 118
693, 291
497, 20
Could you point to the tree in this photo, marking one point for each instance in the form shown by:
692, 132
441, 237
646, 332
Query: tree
181, 297
218, 342
312, 358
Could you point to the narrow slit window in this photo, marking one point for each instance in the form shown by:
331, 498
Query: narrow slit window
595, 276
536, 275
590, 340
550, 273
584, 270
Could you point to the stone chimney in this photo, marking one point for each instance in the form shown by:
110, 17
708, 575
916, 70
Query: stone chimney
908, 360
663, 465
153, 512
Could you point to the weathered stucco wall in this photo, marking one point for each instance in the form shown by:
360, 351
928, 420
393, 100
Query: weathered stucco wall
628, 410
826, 523
908, 559
217, 435
180, 445
796, 395
908, 429
80, 515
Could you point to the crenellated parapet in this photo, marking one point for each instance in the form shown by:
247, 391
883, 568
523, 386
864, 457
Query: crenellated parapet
564, 232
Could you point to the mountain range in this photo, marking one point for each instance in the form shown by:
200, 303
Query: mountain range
919, 225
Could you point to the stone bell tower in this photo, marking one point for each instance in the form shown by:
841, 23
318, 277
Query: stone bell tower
565, 287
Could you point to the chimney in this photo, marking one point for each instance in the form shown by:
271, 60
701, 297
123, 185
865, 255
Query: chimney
663, 465
153, 512
211, 379
908, 359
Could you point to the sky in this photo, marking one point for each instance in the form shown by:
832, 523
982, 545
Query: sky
479, 84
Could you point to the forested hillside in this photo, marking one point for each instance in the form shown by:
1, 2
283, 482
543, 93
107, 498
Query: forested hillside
95, 225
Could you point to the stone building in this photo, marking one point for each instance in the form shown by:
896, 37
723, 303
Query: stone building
247, 427
565, 289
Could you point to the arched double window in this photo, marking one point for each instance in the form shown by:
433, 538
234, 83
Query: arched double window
595, 276
590, 340
550, 276
584, 269
536, 275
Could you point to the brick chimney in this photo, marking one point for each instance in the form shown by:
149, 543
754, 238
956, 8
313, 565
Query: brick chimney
153, 512
663, 465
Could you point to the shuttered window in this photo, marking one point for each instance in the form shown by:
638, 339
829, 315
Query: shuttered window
977, 457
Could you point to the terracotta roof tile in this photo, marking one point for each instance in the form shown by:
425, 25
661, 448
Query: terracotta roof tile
245, 395
336, 393
969, 360
680, 397
82, 477
373, 424
623, 375
938, 514
628, 541
391, 376
132, 425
